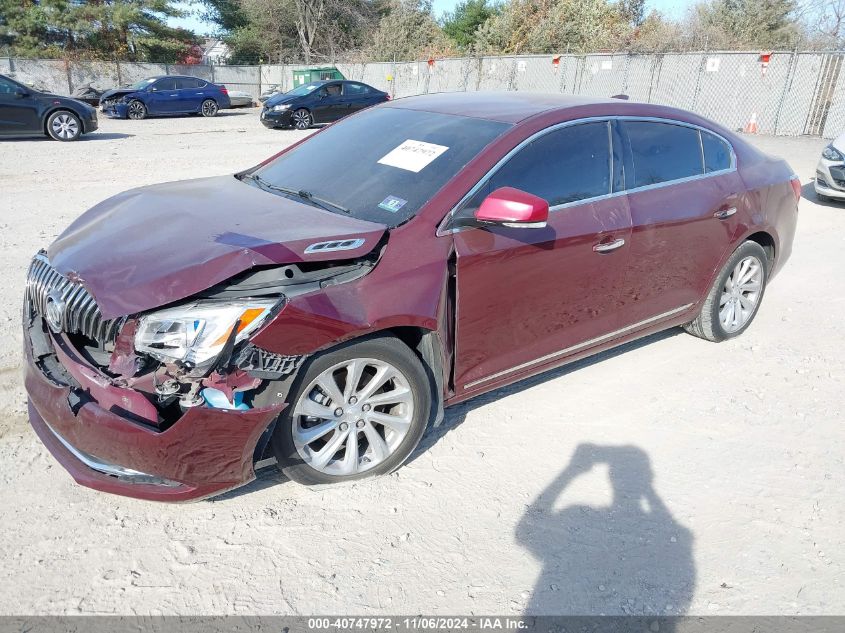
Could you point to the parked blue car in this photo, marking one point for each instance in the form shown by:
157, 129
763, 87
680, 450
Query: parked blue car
161, 96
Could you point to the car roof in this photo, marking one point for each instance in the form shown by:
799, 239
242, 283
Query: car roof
176, 77
514, 107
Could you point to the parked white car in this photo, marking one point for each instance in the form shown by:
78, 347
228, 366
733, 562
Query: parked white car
241, 99
830, 172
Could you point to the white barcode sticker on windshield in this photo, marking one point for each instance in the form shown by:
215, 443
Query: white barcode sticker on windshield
412, 155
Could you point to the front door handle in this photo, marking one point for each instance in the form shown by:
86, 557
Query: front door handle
724, 214
606, 247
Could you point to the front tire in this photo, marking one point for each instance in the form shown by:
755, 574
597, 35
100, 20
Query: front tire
356, 411
302, 119
64, 126
735, 296
209, 108
136, 110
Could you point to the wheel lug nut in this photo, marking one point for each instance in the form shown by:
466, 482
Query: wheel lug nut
360, 424
338, 412
366, 407
343, 426
353, 400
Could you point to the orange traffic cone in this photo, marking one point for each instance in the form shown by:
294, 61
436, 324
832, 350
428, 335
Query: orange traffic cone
751, 126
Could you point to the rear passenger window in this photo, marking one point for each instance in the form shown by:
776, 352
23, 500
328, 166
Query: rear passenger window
566, 165
662, 152
190, 82
717, 153
356, 89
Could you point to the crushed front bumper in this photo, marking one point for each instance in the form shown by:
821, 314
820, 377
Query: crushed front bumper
206, 452
116, 110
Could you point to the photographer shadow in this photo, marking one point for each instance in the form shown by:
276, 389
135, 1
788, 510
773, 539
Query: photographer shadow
630, 558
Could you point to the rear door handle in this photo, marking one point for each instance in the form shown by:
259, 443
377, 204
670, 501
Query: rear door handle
723, 214
606, 247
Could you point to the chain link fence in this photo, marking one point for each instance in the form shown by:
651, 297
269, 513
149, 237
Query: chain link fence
790, 93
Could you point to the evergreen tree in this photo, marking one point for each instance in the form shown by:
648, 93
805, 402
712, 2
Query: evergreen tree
93, 29
461, 26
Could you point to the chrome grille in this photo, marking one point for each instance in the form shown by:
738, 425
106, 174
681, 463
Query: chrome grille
81, 314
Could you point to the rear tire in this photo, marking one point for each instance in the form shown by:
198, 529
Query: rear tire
387, 420
735, 297
209, 108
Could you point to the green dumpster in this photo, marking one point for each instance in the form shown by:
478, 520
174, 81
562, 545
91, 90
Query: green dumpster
321, 73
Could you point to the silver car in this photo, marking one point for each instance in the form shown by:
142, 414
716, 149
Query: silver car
830, 172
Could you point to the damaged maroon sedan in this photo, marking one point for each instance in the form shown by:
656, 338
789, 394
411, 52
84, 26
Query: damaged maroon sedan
323, 308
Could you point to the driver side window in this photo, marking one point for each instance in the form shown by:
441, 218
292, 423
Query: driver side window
566, 165
165, 84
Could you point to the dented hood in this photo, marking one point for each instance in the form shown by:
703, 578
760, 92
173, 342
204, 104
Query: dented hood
151, 246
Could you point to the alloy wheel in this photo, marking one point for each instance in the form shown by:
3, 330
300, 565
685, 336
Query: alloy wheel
65, 126
209, 108
740, 294
302, 119
137, 110
352, 416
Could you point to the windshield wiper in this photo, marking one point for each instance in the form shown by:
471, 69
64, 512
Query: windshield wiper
324, 204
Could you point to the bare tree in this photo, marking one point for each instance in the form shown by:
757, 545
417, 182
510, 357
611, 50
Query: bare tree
309, 19
825, 20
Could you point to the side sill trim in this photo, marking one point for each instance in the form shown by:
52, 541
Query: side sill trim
579, 346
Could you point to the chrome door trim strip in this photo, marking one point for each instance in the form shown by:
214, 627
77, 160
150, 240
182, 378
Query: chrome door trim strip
579, 346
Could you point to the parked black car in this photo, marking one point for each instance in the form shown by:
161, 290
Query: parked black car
319, 102
25, 111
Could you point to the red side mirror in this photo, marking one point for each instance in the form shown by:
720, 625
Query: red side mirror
515, 208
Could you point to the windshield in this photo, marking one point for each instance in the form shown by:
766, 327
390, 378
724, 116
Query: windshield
301, 91
140, 85
384, 164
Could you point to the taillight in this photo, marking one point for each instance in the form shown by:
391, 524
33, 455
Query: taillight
224, 90
796, 187
388, 97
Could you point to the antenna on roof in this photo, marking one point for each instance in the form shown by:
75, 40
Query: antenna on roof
620, 96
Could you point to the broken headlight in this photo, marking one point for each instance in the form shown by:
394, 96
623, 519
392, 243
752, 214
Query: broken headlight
197, 332
831, 153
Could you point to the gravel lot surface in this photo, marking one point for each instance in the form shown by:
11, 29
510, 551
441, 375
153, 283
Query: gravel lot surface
671, 476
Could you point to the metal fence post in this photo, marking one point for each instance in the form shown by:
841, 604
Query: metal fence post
787, 83
393, 78
69, 78
701, 64
212, 73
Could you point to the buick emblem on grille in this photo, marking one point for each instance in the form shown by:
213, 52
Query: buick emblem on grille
55, 310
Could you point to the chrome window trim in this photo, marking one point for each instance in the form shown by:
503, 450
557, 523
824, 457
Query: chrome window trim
442, 230
580, 346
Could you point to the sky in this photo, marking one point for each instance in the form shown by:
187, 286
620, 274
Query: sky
670, 8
